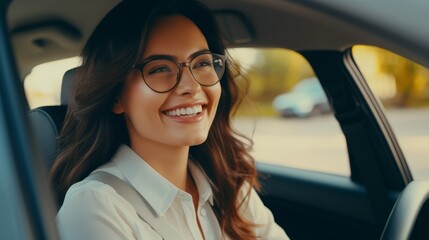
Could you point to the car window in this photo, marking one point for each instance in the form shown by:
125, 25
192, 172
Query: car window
43, 85
288, 115
402, 86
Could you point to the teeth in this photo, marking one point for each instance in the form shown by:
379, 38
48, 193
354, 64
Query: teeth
189, 111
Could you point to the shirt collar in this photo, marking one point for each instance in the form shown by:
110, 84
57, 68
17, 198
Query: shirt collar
154, 188
205, 191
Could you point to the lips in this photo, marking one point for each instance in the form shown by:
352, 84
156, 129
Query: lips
184, 111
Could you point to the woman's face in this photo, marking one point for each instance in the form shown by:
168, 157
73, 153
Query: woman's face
149, 115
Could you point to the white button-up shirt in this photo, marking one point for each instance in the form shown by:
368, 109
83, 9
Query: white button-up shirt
93, 210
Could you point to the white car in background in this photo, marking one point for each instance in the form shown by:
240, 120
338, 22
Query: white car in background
306, 99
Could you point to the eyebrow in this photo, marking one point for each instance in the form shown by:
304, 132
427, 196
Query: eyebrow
165, 56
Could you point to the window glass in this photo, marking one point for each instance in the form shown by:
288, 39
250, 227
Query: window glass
43, 85
288, 116
403, 88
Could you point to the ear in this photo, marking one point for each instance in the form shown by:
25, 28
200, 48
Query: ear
117, 107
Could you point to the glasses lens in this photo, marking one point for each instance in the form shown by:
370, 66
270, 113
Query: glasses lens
160, 74
208, 69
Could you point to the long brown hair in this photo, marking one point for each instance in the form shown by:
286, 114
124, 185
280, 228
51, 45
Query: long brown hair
92, 133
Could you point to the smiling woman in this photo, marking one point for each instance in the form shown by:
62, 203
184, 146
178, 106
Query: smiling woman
151, 105
152, 129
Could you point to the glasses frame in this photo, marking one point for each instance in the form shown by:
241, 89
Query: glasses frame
181, 66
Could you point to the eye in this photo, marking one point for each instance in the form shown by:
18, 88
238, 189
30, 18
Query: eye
159, 69
203, 63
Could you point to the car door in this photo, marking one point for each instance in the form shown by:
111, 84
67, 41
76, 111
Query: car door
320, 205
316, 205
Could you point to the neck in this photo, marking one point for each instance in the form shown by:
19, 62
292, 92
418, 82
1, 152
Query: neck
170, 162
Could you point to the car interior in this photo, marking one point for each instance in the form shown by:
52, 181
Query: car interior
378, 200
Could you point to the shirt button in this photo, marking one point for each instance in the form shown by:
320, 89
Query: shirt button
203, 212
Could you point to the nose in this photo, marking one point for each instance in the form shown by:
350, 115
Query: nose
187, 83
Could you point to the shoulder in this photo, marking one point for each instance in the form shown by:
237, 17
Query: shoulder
94, 210
248, 200
95, 195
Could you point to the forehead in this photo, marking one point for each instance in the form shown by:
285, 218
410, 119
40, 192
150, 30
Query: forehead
174, 35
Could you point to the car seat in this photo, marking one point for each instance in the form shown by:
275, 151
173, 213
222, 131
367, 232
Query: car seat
47, 121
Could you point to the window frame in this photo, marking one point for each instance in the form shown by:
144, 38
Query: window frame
382, 170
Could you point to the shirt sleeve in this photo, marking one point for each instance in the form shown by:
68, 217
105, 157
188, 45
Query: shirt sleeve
93, 213
255, 211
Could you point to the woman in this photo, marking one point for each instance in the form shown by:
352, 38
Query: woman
152, 106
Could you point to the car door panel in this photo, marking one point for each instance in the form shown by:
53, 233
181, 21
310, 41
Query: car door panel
313, 205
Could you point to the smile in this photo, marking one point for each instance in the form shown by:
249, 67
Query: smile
185, 112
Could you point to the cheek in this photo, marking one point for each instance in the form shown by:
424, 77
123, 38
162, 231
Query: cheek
140, 101
216, 97
215, 94
139, 95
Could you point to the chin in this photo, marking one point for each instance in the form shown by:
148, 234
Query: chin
197, 140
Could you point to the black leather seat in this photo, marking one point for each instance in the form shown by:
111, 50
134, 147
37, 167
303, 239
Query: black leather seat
47, 121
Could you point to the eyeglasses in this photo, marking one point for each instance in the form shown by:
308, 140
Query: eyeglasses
163, 74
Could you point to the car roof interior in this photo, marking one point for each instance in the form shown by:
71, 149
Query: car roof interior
47, 30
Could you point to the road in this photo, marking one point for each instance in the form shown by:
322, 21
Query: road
318, 144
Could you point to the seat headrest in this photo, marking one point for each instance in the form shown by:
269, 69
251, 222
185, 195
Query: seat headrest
67, 85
